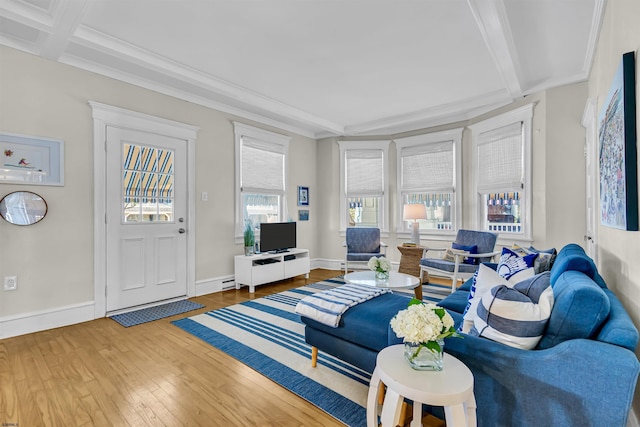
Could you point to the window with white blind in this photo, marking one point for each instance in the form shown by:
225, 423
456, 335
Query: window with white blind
364, 182
429, 173
261, 177
502, 173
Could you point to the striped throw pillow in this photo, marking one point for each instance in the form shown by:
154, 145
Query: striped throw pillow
515, 316
484, 280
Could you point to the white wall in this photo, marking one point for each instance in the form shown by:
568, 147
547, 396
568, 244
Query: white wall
54, 258
619, 251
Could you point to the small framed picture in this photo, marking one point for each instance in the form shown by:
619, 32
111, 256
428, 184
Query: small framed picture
303, 196
303, 215
31, 160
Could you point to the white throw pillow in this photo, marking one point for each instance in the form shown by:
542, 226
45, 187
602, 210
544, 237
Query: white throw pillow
488, 278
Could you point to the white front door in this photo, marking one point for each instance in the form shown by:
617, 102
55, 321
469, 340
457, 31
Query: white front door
146, 224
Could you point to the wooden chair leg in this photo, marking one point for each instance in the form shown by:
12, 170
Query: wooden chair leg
314, 357
381, 389
403, 413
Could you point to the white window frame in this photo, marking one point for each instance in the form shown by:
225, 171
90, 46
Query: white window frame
383, 208
524, 115
452, 135
280, 144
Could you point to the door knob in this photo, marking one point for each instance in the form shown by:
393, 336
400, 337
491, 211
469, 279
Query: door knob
182, 231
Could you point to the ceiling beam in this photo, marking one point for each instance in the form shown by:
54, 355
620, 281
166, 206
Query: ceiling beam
66, 18
492, 22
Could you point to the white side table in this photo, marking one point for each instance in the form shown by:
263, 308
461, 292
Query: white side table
452, 388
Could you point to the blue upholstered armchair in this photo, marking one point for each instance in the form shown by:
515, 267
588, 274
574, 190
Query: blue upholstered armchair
361, 244
478, 246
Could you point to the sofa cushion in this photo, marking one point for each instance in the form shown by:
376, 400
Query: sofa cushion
580, 308
515, 316
618, 329
358, 321
572, 257
487, 278
457, 301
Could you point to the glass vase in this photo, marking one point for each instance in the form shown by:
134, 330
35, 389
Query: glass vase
382, 275
423, 358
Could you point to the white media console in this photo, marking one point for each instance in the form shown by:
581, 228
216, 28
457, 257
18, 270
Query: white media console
258, 269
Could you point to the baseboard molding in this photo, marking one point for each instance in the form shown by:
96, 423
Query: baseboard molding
27, 323
217, 284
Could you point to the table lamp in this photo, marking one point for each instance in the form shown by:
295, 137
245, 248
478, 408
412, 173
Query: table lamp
414, 211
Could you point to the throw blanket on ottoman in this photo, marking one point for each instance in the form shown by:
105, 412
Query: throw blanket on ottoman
327, 307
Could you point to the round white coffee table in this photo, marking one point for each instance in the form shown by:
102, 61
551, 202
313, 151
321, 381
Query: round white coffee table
395, 281
452, 388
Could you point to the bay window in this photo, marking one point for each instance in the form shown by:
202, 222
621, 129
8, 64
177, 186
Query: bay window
429, 173
502, 173
364, 182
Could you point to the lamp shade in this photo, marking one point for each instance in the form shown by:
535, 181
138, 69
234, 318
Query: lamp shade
414, 211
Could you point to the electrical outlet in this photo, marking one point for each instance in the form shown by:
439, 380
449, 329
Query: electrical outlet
10, 283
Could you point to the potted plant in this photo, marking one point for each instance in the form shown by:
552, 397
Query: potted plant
249, 239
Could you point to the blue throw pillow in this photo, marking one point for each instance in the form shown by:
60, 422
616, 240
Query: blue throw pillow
471, 249
510, 262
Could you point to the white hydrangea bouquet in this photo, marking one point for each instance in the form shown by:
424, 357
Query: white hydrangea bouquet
424, 326
379, 265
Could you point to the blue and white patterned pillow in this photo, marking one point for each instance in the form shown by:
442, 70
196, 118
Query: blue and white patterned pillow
510, 262
515, 316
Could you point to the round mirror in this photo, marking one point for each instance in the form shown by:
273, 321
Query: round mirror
23, 208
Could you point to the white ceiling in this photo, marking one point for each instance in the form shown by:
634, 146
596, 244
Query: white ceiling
321, 67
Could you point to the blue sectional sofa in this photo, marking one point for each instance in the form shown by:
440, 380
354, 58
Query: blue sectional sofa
583, 372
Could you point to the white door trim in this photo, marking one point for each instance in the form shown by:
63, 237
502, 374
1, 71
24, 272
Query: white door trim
592, 196
107, 115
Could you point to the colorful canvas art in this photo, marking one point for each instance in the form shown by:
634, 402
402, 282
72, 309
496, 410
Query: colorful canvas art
617, 154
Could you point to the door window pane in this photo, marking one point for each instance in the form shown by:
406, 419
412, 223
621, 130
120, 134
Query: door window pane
147, 184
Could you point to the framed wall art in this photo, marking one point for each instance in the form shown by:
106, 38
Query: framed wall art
303, 196
303, 215
31, 160
618, 151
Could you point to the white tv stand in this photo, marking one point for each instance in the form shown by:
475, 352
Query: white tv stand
264, 268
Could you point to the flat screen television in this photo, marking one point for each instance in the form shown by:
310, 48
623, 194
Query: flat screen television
277, 236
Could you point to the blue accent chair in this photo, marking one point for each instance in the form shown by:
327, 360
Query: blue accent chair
458, 269
361, 244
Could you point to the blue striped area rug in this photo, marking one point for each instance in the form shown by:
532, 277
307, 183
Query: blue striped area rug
150, 314
267, 335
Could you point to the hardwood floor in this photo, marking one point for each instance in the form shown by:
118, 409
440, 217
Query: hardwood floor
99, 373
